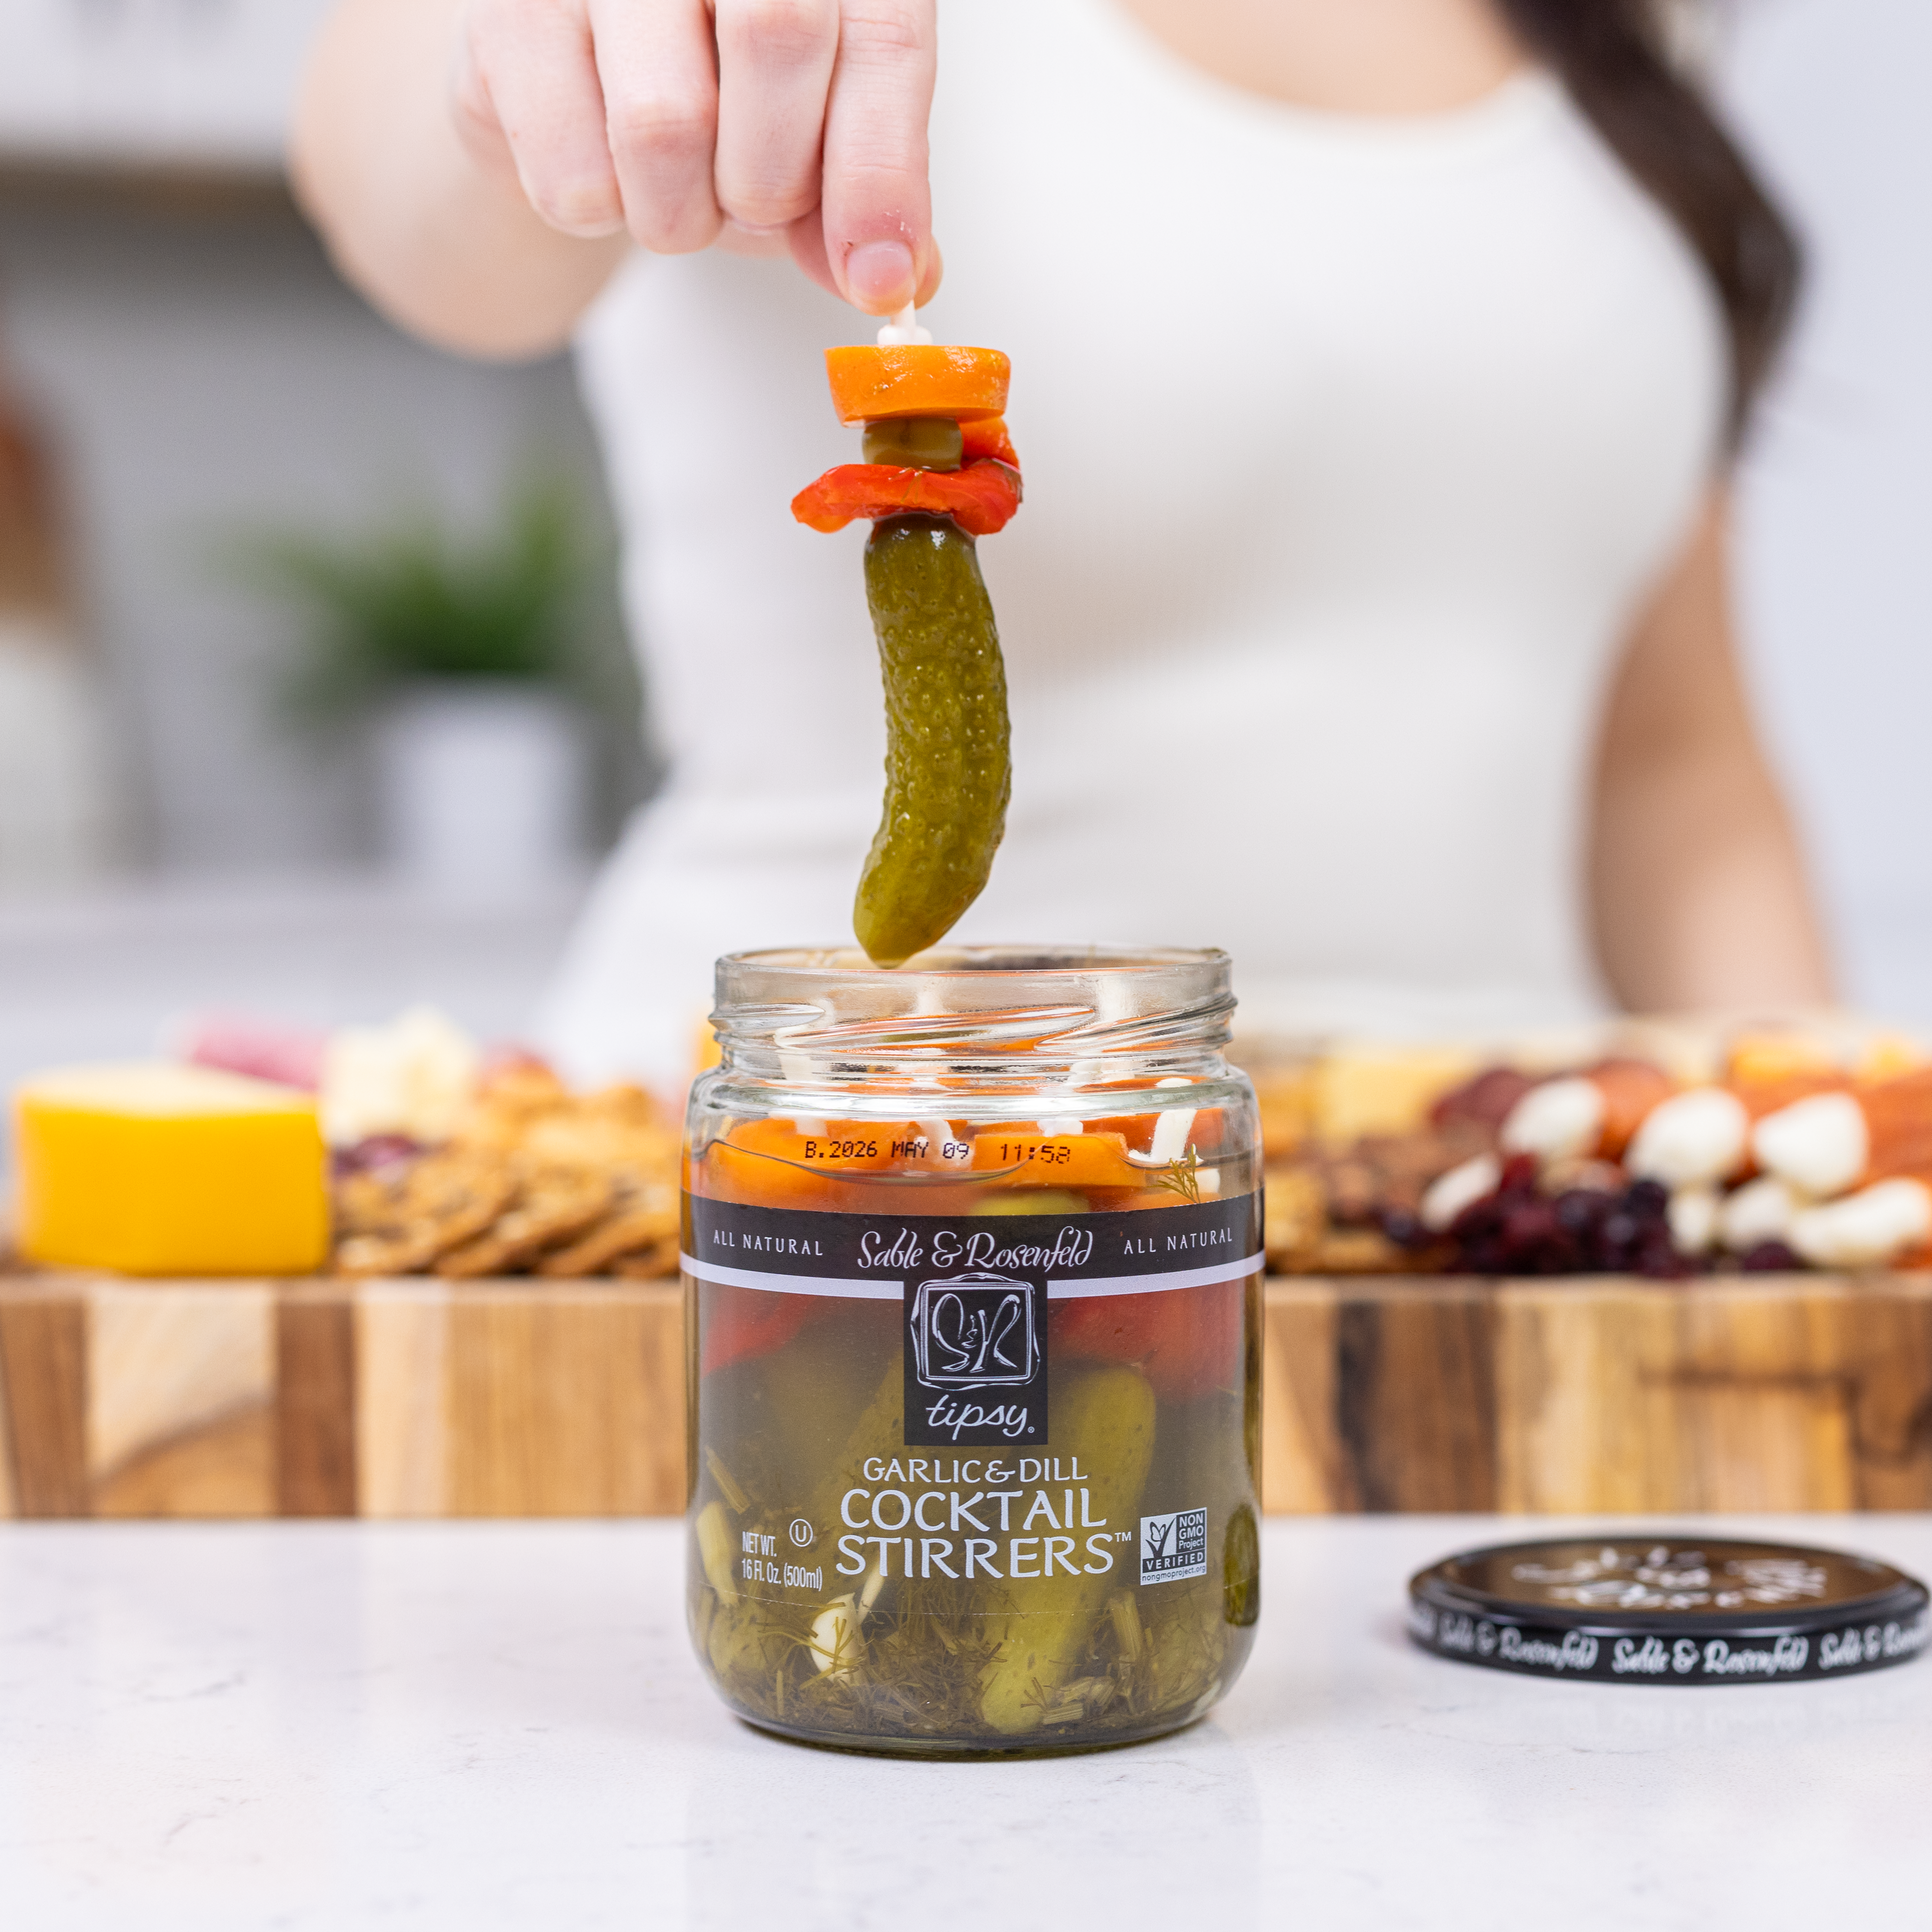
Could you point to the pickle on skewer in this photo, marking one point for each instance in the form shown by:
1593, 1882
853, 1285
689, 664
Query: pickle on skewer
939, 470
948, 774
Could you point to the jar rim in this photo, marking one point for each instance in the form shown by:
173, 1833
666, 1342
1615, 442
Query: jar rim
1042, 1003
849, 964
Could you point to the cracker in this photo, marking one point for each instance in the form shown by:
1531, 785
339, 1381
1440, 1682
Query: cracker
544, 1216
623, 1233
534, 1177
437, 1210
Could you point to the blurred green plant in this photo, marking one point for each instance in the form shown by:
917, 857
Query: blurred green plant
415, 601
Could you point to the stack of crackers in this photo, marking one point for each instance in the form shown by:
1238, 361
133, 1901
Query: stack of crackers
535, 1179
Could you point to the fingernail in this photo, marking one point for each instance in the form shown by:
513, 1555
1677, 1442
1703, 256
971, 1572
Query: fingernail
879, 275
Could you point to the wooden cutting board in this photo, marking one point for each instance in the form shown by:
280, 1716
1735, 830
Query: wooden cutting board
1794, 1392
408, 1398
419, 1398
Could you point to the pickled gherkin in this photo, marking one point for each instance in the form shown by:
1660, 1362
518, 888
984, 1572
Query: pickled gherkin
1112, 1409
947, 770
939, 470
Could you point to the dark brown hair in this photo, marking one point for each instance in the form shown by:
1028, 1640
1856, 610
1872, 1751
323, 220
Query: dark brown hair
1612, 56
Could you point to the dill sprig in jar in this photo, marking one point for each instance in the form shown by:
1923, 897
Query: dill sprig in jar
972, 1256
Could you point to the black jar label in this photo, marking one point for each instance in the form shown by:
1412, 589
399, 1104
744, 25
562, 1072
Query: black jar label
973, 1290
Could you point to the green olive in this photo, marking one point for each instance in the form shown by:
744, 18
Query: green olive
947, 771
916, 443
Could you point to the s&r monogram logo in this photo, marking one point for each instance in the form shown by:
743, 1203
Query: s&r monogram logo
976, 1360
974, 1331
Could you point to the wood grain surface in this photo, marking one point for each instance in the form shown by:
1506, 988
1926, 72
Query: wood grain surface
1786, 1393
424, 1398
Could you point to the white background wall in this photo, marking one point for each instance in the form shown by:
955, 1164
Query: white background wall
181, 80
1834, 98
197, 370
198, 373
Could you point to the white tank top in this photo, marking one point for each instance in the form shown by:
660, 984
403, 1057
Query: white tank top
1309, 612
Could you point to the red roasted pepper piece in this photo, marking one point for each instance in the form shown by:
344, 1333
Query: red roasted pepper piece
980, 497
743, 1322
1186, 1341
987, 438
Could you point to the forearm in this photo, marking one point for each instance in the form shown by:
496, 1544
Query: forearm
443, 242
1698, 890
1700, 895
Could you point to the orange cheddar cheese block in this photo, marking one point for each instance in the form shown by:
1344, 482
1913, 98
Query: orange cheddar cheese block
157, 1169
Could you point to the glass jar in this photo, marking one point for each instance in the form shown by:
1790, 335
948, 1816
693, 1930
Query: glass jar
972, 1261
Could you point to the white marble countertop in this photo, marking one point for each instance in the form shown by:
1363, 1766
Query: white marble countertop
489, 1725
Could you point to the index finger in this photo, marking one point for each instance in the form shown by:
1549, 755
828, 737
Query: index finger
876, 206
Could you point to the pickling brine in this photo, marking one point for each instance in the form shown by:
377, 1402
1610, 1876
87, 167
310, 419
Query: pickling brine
972, 1259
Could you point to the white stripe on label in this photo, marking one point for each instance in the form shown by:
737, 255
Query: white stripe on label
895, 1291
793, 1284
1156, 1284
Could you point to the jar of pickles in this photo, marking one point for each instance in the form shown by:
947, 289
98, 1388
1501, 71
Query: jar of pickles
972, 1254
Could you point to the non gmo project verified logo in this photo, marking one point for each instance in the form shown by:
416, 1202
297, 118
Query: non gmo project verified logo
1174, 1548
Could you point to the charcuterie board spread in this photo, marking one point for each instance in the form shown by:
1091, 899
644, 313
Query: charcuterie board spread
1661, 1151
471, 1306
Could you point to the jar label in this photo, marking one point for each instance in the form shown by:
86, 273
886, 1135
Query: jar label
973, 1290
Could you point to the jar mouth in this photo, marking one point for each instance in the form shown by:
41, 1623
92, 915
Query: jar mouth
1043, 1004
848, 964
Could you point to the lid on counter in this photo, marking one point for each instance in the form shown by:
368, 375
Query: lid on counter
1668, 1609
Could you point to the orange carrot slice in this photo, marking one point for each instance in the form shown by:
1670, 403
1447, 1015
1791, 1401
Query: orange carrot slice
871, 384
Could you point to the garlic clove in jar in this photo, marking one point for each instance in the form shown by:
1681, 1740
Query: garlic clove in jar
836, 1645
716, 1551
834, 1638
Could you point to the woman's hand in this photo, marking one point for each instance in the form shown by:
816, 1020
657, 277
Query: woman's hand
671, 121
479, 167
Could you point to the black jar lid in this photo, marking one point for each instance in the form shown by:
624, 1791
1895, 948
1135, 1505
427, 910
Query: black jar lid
1668, 1609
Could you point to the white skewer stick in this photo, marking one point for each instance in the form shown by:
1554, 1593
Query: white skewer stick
904, 327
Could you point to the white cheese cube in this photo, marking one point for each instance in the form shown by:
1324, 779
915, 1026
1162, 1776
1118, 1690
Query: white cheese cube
1865, 1229
1819, 1145
1556, 1120
1691, 1139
